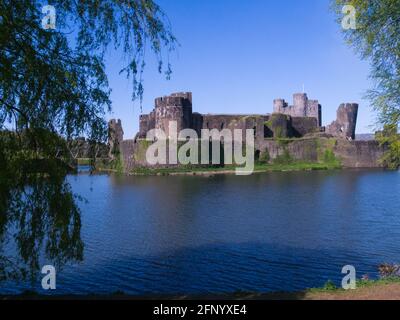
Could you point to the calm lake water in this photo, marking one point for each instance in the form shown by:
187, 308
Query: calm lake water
266, 232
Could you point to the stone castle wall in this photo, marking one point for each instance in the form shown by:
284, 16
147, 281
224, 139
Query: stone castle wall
351, 154
359, 154
303, 119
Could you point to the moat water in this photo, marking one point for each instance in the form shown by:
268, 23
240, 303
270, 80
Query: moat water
266, 232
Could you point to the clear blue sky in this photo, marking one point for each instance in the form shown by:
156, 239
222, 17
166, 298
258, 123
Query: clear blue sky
236, 56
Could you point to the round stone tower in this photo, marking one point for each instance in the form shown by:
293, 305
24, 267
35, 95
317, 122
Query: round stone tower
300, 104
175, 107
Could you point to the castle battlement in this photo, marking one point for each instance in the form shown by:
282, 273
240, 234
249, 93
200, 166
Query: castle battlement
302, 107
181, 99
302, 118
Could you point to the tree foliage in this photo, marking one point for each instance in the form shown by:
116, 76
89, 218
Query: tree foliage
39, 214
377, 39
55, 79
54, 88
390, 138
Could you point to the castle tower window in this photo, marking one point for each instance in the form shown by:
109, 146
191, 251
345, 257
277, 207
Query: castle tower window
222, 125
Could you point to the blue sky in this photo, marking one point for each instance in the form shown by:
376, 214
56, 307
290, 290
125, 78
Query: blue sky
237, 56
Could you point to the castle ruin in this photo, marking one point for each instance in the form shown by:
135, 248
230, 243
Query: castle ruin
298, 125
295, 121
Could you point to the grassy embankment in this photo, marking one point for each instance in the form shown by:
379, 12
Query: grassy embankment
258, 168
381, 289
387, 288
284, 162
326, 160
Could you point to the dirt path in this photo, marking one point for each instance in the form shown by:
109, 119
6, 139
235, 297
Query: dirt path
374, 292
378, 292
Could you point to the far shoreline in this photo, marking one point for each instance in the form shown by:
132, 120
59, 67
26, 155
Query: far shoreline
223, 170
209, 172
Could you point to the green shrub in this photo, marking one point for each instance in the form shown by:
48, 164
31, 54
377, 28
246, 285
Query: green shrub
265, 157
329, 156
284, 158
329, 286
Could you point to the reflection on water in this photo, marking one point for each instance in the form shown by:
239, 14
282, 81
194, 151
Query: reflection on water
277, 231
39, 224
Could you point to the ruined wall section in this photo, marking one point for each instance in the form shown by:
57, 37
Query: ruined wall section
115, 138
281, 126
146, 123
239, 122
302, 126
285, 126
344, 126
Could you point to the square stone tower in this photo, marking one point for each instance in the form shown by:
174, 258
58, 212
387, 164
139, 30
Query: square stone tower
302, 107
